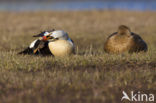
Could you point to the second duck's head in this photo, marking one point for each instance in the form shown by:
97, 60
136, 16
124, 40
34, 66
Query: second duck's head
44, 33
56, 35
124, 30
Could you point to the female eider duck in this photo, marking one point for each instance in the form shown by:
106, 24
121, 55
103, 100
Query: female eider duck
55, 42
59, 43
124, 41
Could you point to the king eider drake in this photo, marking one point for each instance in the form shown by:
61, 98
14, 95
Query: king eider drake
54, 42
59, 43
124, 41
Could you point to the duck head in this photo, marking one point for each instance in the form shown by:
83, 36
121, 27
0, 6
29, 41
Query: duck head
124, 30
55, 35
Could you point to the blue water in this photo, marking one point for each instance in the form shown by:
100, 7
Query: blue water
88, 5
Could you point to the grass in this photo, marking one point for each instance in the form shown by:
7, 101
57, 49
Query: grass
90, 76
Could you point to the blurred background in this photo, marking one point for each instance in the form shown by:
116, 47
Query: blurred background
36, 5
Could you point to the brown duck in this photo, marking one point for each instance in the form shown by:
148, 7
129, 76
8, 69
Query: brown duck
124, 41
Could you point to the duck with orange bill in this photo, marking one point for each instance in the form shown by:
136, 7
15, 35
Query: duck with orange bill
59, 43
55, 42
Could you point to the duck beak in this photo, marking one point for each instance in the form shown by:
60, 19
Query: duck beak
44, 38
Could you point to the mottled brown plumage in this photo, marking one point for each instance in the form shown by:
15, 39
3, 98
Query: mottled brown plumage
124, 41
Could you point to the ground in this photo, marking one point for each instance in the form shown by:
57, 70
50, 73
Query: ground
90, 76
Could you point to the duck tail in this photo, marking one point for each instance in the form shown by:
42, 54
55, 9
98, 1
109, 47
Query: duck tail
26, 51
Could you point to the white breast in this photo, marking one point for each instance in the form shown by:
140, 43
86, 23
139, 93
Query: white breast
61, 48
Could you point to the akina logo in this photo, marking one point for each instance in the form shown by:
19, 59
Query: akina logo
140, 97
